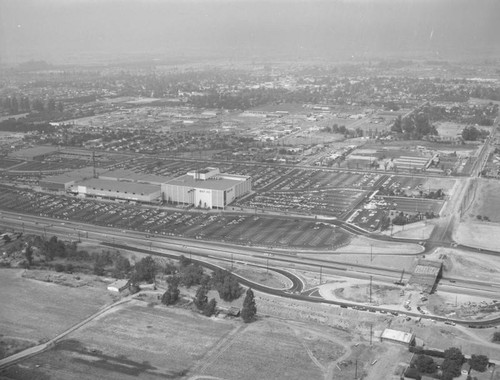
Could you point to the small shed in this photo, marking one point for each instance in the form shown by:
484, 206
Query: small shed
118, 286
397, 336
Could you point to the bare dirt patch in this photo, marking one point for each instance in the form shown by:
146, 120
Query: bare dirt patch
258, 275
39, 310
380, 294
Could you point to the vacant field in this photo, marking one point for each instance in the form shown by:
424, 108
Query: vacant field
449, 129
421, 205
37, 311
136, 341
271, 350
487, 202
7, 163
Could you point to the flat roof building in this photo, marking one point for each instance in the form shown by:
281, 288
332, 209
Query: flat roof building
131, 176
397, 336
206, 188
63, 182
119, 190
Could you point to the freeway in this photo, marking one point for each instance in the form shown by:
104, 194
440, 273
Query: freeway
210, 252
294, 292
216, 250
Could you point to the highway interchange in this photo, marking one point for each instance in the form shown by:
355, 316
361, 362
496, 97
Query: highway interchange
218, 254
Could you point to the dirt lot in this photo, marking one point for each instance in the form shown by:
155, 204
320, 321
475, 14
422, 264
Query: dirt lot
140, 341
40, 310
487, 203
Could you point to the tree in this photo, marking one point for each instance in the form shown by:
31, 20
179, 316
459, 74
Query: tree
184, 261
145, 270
397, 126
210, 308
496, 336
122, 266
171, 296
478, 363
454, 353
425, 364
191, 275
226, 284
450, 368
59, 267
28, 254
99, 267
412, 373
200, 299
249, 309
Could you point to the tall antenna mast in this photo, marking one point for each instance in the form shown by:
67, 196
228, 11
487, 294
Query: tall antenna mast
93, 165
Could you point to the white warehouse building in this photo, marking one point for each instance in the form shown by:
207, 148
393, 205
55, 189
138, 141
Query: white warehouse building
206, 188
119, 190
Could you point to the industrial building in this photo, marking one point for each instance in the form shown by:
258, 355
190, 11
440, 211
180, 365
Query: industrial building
396, 336
206, 188
119, 190
66, 181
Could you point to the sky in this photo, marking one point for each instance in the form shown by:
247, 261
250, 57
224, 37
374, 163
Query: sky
62, 31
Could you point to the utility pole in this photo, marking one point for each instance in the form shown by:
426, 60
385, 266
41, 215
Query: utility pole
371, 333
370, 289
371, 253
320, 274
232, 261
356, 370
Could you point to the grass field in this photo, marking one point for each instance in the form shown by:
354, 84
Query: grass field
487, 201
36, 311
137, 341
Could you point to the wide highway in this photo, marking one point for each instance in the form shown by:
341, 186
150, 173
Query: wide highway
218, 252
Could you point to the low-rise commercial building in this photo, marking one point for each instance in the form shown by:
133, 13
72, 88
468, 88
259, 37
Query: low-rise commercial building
119, 190
207, 188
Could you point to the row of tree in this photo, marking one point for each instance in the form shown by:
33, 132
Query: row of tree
414, 127
14, 105
450, 367
224, 282
471, 133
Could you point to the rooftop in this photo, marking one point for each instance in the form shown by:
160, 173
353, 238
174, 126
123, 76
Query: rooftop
210, 184
129, 174
119, 186
74, 175
400, 336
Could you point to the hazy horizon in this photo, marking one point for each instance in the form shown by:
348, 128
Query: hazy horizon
69, 31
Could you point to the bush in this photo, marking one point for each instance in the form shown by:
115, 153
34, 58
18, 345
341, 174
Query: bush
413, 373
422, 351
210, 308
69, 268
59, 268
496, 337
425, 364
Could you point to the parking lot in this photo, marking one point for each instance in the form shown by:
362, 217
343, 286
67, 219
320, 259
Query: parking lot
241, 229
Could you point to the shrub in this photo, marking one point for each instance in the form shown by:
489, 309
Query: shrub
59, 268
413, 373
